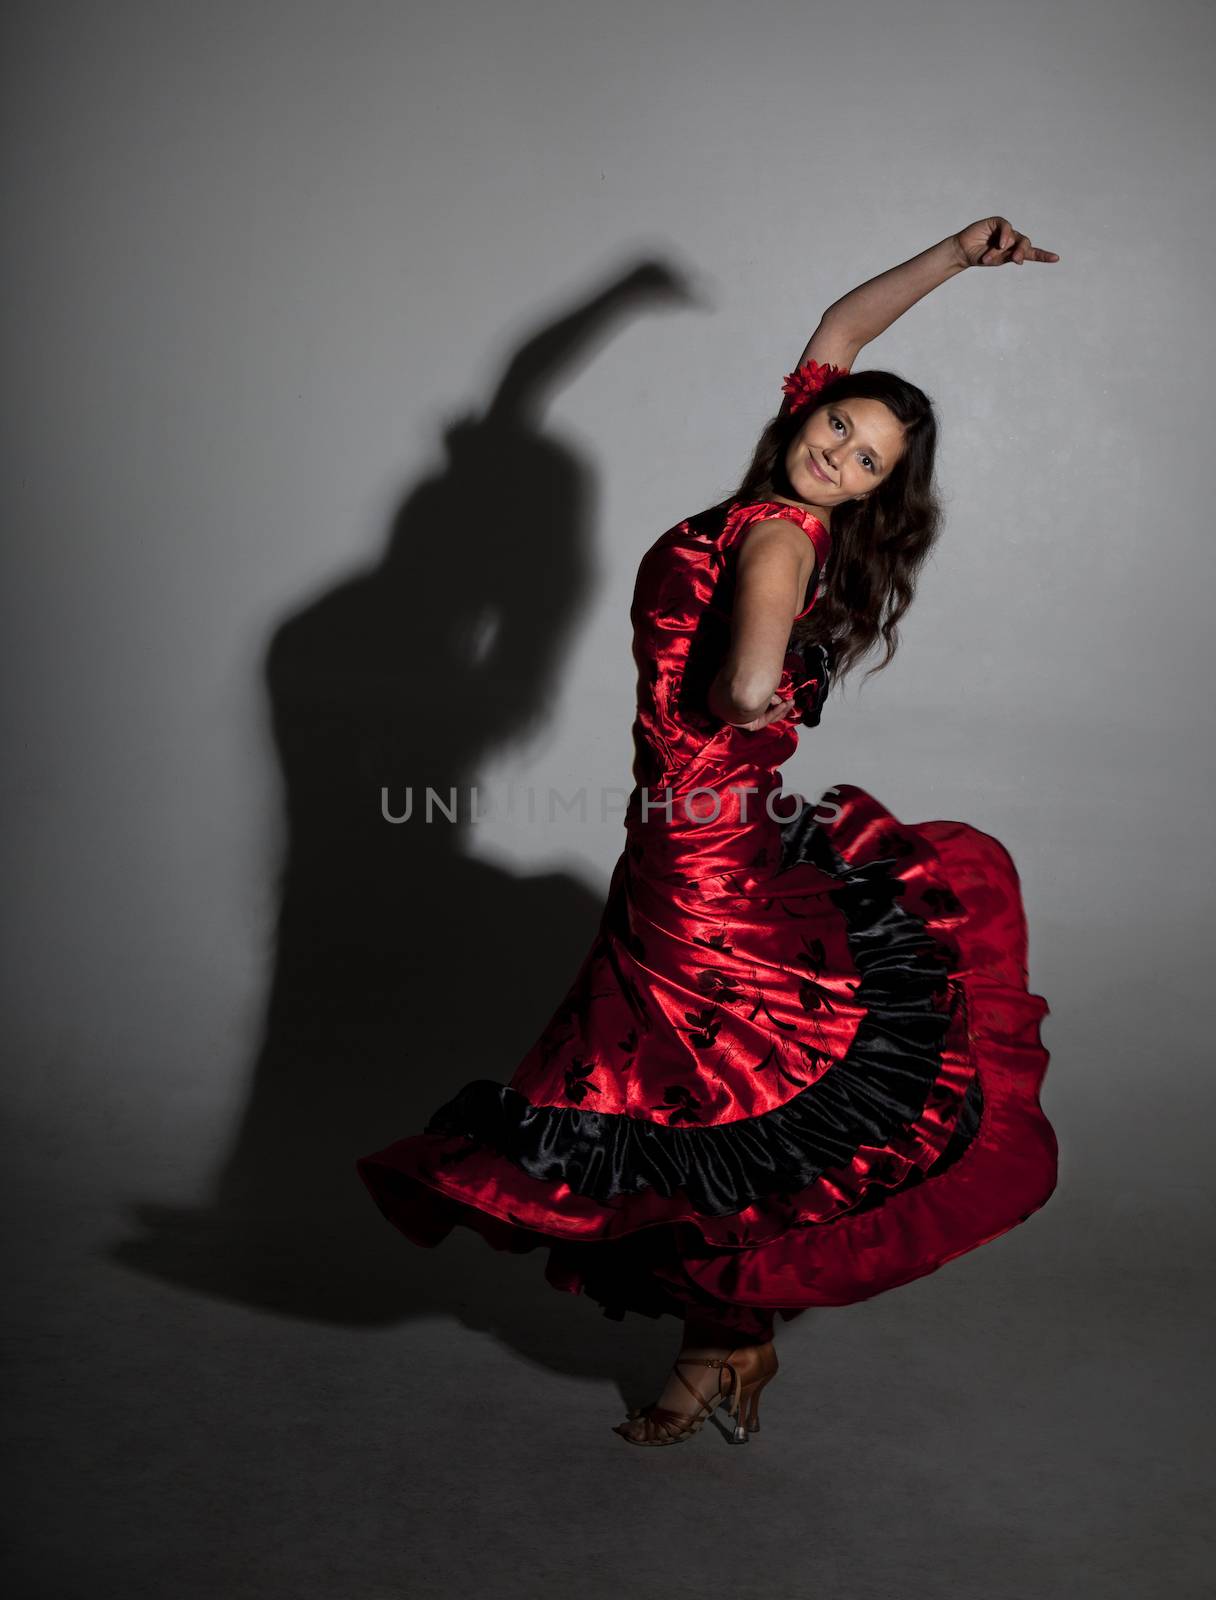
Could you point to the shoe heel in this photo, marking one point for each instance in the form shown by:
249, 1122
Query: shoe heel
747, 1418
743, 1400
753, 1416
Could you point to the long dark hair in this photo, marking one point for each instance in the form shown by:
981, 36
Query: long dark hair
878, 544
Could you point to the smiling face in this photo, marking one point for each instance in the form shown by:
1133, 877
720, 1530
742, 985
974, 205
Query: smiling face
843, 451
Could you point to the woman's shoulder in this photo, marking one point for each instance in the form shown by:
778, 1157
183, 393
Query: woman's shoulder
723, 524
744, 514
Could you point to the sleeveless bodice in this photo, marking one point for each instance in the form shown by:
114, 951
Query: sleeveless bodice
701, 784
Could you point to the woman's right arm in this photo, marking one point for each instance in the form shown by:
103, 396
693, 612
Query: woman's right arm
776, 562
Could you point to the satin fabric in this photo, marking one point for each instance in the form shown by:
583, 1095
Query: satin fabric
800, 1063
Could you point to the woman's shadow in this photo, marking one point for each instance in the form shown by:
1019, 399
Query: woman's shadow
403, 966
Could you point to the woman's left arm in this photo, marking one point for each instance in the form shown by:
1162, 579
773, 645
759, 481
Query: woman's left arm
851, 322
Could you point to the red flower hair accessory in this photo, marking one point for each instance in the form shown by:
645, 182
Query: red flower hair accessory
807, 380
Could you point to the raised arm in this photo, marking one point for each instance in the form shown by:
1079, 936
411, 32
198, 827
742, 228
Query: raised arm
856, 318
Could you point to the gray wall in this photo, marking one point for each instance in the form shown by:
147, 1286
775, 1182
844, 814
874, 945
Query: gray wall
337, 419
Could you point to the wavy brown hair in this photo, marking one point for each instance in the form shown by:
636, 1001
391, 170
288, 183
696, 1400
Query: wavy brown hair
879, 544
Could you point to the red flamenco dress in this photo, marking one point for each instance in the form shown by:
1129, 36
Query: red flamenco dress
799, 1064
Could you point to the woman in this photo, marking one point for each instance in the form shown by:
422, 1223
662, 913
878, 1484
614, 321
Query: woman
800, 1063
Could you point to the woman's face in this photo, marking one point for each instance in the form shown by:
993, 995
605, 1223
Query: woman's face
843, 450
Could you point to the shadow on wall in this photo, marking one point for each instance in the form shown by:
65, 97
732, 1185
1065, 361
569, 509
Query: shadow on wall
403, 967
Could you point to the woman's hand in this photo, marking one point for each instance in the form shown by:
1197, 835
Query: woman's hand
777, 707
994, 241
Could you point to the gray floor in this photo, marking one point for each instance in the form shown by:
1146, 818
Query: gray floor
274, 1410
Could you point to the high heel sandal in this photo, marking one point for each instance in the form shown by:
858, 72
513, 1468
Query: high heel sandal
749, 1368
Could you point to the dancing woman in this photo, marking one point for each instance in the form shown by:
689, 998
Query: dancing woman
800, 1063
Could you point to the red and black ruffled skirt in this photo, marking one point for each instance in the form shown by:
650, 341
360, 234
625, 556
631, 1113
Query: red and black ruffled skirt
759, 1096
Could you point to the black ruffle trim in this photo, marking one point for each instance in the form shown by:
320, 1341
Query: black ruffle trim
869, 1097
